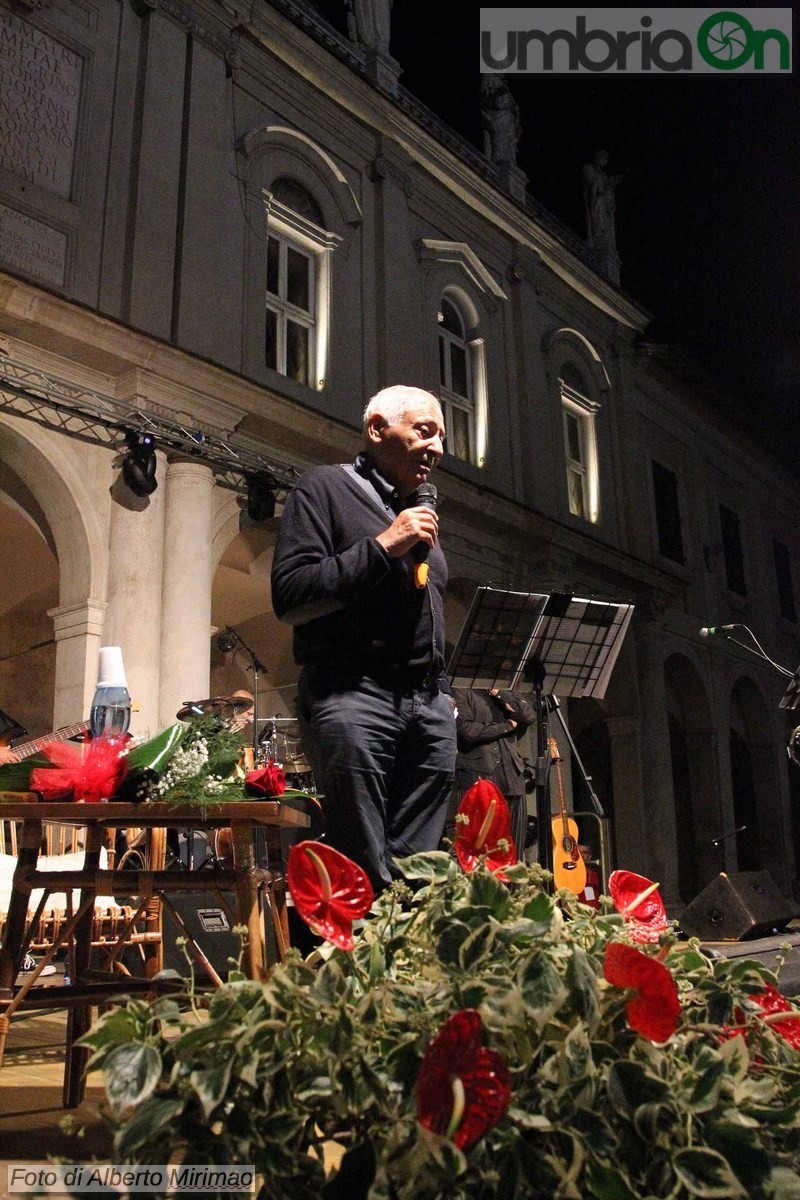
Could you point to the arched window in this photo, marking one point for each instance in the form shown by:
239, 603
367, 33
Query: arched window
462, 385
580, 444
298, 284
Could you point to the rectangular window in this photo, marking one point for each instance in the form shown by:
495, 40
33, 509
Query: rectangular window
290, 318
576, 466
783, 577
732, 551
580, 452
668, 513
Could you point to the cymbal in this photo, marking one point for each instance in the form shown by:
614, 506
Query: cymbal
216, 706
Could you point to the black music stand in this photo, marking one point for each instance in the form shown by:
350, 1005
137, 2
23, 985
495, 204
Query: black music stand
557, 645
791, 697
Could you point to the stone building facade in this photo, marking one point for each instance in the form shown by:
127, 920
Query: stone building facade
221, 215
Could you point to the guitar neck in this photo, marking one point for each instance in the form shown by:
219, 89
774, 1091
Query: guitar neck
61, 735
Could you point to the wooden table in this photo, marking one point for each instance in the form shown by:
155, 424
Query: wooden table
246, 880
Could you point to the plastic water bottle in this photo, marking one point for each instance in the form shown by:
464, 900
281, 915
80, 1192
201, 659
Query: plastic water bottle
111, 706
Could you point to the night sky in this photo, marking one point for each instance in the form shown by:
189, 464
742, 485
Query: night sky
708, 213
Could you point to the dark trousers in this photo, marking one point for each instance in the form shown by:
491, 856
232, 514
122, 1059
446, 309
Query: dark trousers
383, 756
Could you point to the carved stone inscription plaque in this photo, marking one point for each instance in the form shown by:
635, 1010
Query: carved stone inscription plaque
31, 246
40, 86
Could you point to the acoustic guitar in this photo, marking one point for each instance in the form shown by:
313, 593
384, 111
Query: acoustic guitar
27, 749
569, 869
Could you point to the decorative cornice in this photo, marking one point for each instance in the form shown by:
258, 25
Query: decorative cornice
189, 20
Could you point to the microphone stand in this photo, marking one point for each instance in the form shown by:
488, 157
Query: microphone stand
256, 666
723, 837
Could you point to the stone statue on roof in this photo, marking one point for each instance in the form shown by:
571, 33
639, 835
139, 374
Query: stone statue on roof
500, 120
599, 194
372, 22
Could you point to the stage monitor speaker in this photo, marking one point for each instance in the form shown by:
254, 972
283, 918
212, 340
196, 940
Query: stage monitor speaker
209, 925
732, 908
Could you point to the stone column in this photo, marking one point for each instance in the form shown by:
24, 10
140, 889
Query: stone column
659, 847
78, 630
186, 587
625, 736
133, 619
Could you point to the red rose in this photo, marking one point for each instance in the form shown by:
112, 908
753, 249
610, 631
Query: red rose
265, 781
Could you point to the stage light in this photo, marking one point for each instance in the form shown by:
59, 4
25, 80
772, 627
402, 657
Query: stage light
139, 464
260, 497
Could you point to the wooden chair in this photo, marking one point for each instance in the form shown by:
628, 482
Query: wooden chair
117, 922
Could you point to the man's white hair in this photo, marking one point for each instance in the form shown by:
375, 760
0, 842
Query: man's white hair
392, 403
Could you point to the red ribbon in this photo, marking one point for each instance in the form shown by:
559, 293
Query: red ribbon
91, 771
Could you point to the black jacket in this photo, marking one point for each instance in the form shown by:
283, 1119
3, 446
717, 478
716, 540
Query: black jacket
353, 608
487, 742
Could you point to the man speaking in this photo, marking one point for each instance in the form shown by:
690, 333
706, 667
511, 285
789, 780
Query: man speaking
375, 714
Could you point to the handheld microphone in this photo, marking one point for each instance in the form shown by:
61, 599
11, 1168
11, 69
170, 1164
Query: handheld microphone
714, 630
426, 496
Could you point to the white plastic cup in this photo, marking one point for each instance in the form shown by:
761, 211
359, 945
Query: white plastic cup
110, 668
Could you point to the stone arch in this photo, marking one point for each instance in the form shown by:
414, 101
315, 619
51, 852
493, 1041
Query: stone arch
45, 479
290, 152
754, 786
44, 463
241, 597
694, 774
565, 345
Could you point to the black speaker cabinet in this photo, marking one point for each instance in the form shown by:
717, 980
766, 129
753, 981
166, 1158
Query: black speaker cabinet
209, 925
732, 908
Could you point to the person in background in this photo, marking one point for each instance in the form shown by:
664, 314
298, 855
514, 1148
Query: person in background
591, 892
489, 726
375, 715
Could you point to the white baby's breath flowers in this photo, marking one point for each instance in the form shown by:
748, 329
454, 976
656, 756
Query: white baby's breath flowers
186, 762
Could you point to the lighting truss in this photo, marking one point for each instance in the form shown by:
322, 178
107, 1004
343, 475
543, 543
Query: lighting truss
101, 420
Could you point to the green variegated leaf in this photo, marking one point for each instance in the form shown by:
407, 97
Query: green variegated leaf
740, 1147
451, 940
476, 947
705, 1092
487, 891
541, 911
785, 1184
582, 981
210, 1086
630, 1086
542, 987
434, 866
706, 1173
131, 1074
145, 1124
609, 1183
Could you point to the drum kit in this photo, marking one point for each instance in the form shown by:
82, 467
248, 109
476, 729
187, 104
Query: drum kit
278, 739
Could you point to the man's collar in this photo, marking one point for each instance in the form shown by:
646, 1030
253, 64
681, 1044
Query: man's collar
387, 491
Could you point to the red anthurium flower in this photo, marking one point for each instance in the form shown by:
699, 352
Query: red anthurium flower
638, 900
655, 1009
463, 1089
265, 781
329, 891
771, 1001
483, 829
91, 771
